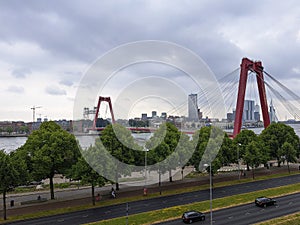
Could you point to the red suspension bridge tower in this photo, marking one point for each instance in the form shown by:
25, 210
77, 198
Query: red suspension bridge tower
256, 67
103, 99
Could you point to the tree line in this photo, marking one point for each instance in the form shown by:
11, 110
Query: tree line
51, 150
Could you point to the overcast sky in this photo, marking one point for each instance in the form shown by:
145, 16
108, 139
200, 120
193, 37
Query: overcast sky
46, 47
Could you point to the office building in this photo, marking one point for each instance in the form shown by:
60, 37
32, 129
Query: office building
272, 114
248, 113
154, 114
193, 112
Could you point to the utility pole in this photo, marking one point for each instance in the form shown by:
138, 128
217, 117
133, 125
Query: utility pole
33, 112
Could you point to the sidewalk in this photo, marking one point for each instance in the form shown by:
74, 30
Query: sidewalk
128, 183
126, 191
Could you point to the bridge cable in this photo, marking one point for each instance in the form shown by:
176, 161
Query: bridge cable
291, 93
291, 108
202, 95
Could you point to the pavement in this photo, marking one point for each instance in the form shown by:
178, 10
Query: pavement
78, 197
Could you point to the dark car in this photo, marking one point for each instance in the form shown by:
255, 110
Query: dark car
193, 216
264, 201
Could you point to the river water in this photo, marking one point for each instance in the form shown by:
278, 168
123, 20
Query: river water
12, 143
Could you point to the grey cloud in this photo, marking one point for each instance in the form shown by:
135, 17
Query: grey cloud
66, 82
67, 78
21, 72
83, 31
54, 90
15, 89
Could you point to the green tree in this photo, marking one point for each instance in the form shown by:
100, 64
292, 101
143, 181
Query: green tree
51, 150
200, 139
118, 141
242, 140
9, 130
228, 151
213, 152
156, 157
288, 153
86, 174
19, 160
162, 144
185, 150
208, 144
172, 140
274, 137
253, 156
8, 177
24, 129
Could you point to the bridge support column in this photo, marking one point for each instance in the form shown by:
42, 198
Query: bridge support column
103, 99
256, 67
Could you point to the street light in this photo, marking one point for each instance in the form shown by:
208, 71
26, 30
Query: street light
146, 150
238, 158
210, 191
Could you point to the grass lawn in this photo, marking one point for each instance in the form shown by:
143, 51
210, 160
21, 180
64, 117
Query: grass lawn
293, 219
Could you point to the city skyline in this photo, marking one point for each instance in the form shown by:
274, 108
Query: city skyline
46, 49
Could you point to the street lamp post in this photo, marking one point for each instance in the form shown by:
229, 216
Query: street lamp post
210, 192
238, 158
146, 150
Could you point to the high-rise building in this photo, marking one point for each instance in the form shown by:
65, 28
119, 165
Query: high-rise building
154, 114
272, 114
248, 112
230, 117
193, 107
144, 116
256, 113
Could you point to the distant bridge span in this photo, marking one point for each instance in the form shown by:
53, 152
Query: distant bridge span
150, 130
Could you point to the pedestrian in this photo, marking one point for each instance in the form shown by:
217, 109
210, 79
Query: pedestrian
145, 191
98, 197
113, 193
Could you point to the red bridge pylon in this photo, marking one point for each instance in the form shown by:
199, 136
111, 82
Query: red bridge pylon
249, 65
103, 99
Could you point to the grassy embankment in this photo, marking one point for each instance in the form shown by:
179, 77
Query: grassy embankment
293, 219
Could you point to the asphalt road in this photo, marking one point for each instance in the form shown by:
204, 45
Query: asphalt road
107, 212
249, 213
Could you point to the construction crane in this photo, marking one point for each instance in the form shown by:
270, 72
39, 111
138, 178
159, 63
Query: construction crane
33, 112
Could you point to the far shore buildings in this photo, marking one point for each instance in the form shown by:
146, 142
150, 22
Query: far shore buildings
23, 128
251, 116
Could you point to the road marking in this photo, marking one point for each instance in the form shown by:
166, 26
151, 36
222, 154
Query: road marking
84, 216
230, 217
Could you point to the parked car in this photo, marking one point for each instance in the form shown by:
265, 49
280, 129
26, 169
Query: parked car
192, 216
264, 201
